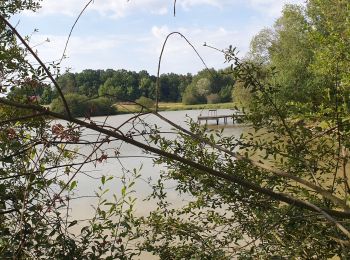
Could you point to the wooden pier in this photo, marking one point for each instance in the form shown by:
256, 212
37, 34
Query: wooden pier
212, 115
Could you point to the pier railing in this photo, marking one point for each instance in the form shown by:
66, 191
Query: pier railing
212, 115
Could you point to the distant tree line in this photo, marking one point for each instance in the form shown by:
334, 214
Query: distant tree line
96, 91
207, 86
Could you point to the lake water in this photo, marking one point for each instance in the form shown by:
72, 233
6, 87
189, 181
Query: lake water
131, 157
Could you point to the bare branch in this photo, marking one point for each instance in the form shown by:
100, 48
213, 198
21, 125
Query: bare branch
72, 28
160, 60
262, 166
3, 122
206, 170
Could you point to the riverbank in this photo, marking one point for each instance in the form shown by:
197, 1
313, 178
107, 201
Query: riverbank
102, 107
124, 108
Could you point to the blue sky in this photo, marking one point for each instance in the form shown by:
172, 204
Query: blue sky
123, 34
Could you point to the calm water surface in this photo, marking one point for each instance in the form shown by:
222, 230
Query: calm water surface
132, 157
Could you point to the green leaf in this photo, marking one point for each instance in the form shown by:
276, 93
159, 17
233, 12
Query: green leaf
73, 185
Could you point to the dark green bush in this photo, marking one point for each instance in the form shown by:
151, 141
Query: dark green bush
101, 106
146, 102
80, 105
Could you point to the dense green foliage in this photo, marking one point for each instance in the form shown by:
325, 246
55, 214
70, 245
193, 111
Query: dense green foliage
123, 85
81, 106
33, 187
145, 102
307, 49
209, 86
295, 83
279, 191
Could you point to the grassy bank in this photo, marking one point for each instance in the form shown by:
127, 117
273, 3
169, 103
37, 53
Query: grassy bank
132, 108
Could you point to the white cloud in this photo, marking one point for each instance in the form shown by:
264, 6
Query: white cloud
186, 4
271, 8
161, 11
180, 57
124, 51
160, 32
110, 8
82, 52
141, 51
122, 8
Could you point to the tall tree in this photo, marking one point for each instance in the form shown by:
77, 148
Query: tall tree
287, 48
330, 36
68, 82
88, 82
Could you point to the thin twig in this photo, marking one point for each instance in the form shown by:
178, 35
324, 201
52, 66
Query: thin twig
72, 28
48, 73
160, 60
174, 8
206, 170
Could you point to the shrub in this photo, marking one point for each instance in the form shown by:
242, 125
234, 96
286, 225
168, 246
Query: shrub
226, 93
101, 106
189, 99
191, 96
146, 102
79, 105
213, 98
242, 95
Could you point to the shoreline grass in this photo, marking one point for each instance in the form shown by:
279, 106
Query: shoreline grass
123, 108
